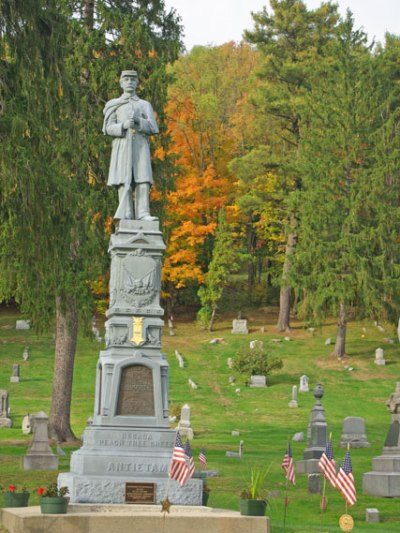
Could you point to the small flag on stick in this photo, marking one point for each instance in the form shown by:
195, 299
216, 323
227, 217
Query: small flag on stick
202, 458
188, 453
345, 481
179, 469
327, 464
287, 465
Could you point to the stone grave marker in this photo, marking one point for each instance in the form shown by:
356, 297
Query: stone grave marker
353, 433
179, 357
256, 344
25, 354
379, 357
15, 375
239, 326
293, 402
235, 433
5, 421
232, 380
184, 424
372, 515
328, 342
22, 325
298, 437
192, 384
317, 436
384, 479
237, 454
314, 483
39, 456
258, 381
229, 362
27, 423
304, 383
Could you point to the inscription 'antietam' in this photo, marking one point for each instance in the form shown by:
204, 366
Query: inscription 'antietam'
136, 396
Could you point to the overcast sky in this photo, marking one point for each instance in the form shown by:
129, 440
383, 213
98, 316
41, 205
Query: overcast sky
218, 21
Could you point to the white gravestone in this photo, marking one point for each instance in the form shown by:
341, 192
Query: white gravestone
27, 425
256, 344
379, 358
258, 381
293, 401
239, 326
304, 384
184, 424
25, 354
22, 324
179, 357
15, 375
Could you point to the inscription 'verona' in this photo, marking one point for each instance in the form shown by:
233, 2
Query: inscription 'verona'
136, 397
144, 468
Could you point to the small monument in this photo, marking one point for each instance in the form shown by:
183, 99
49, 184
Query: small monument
22, 325
353, 433
184, 424
25, 353
293, 401
384, 479
239, 326
256, 344
39, 456
317, 435
27, 424
258, 382
5, 422
304, 383
15, 375
379, 358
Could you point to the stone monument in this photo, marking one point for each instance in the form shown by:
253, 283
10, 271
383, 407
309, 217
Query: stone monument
293, 401
5, 422
317, 436
39, 456
304, 383
379, 357
353, 433
184, 427
384, 479
130, 442
15, 375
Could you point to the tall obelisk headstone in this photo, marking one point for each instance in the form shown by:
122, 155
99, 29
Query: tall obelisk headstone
130, 442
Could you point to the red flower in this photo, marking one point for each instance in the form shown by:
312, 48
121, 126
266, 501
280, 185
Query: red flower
11, 488
41, 491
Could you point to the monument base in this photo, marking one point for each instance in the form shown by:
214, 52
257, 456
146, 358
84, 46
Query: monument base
122, 518
384, 480
110, 489
308, 466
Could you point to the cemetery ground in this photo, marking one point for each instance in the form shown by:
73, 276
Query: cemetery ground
355, 386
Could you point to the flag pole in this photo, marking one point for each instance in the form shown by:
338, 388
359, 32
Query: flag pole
323, 499
345, 507
286, 505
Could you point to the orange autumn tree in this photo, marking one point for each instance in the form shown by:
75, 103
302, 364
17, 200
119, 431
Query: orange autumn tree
210, 83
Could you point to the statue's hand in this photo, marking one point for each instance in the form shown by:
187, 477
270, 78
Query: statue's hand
129, 123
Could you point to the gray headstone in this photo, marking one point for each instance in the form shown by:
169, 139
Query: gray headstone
256, 344
231, 380
353, 433
298, 437
22, 324
328, 342
25, 354
5, 422
304, 383
39, 456
258, 381
241, 448
379, 358
229, 362
15, 375
239, 326
372, 515
314, 483
235, 433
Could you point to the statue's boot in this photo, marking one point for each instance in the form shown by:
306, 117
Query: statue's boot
125, 207
142, 202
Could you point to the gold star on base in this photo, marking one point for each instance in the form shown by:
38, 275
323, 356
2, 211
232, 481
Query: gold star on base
165, 505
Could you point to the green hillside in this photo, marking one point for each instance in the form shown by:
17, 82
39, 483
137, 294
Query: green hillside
262, 416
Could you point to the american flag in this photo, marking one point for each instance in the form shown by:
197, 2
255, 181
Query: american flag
345, 481
202, 458
288, 467
188, 453
179, 469
327, 464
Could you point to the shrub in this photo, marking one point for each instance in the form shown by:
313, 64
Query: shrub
255, 361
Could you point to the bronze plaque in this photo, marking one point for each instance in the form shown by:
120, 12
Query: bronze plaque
136, 395
140, 492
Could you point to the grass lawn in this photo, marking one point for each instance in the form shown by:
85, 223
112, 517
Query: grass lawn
262, 416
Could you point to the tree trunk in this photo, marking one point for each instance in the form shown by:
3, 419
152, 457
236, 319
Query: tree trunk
66, 337
284, 298
340, 346
212, 318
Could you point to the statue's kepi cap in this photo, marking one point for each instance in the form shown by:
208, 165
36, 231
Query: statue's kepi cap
132, 73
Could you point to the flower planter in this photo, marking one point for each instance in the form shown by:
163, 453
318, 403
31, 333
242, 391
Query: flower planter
53, 504
16, 499
252, 507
